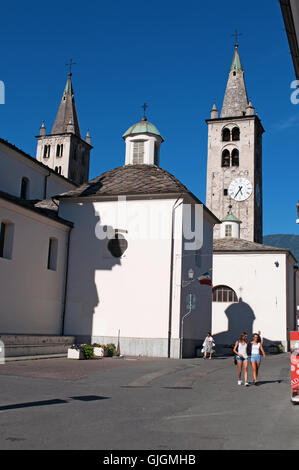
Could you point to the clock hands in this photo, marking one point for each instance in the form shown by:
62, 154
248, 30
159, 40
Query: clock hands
240, 189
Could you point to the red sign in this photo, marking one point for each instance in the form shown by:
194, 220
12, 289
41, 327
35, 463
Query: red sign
294, 337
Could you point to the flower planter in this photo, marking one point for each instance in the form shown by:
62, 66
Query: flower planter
75, 354
98, 352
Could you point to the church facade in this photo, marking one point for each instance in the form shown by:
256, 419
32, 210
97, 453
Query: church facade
109, 258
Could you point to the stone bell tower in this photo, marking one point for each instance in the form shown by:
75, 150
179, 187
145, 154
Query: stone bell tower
63, 149
234, 170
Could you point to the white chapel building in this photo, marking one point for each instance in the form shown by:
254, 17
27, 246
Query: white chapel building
97, 261
255, 285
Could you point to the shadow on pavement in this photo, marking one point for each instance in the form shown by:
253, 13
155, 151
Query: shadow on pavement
55, 401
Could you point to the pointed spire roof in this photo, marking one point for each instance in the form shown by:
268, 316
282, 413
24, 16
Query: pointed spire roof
67, 111
235, 98
236, 63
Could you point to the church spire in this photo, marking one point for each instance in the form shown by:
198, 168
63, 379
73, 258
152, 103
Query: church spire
235, 99
67, 111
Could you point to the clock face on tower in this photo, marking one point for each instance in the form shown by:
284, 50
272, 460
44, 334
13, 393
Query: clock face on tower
240, 189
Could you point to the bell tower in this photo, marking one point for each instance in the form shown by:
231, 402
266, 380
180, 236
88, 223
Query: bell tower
63, 149
234, 169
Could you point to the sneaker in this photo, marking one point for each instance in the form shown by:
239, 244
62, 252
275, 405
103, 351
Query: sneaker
239, 382
246, 384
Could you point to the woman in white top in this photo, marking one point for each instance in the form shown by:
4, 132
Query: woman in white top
241, 351
208, 345
255, 355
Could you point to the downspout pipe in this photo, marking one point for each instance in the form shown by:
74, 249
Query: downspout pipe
171, 276
66, 280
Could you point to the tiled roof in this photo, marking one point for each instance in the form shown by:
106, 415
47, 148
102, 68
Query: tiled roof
130, 180
238, 244
46, 208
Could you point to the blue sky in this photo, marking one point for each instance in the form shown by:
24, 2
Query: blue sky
173, 55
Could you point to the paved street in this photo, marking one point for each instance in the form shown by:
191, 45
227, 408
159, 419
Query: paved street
145, 404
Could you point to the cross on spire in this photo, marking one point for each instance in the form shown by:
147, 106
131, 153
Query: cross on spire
237, 35
70, 66
144, 106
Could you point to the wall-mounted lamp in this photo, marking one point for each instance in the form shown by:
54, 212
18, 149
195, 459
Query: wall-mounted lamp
190, 278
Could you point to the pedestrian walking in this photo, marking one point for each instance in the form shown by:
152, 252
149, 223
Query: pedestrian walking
208, 345
255, 355
241, 351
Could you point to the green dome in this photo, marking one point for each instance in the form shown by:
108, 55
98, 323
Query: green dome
230, 218
142, 127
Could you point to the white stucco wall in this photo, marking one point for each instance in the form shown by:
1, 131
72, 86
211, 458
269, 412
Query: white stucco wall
262, 286
14, 166
31, 295
131, 293
199, 322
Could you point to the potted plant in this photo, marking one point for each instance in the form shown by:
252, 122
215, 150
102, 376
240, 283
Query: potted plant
87, 350
98, 350
110, 350
75, 352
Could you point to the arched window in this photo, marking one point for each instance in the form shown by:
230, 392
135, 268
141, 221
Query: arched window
6, 239
226, 135
24, 188
59, 150
52, 254
236, 133
47, 151
235, 157
225, 158
224, 294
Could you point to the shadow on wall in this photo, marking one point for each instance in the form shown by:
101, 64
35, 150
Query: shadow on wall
240, 318
88, 254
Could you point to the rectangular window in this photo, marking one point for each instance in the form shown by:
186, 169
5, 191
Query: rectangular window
228, 230
6, 240
138, 153
47, 151
52, 254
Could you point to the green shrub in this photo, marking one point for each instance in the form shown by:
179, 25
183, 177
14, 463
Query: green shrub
110, 349
87, 351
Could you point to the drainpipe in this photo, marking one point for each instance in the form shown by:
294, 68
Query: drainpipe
66, 280
171, 277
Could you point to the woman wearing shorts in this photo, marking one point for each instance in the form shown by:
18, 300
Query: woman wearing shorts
241, 351
255, 356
